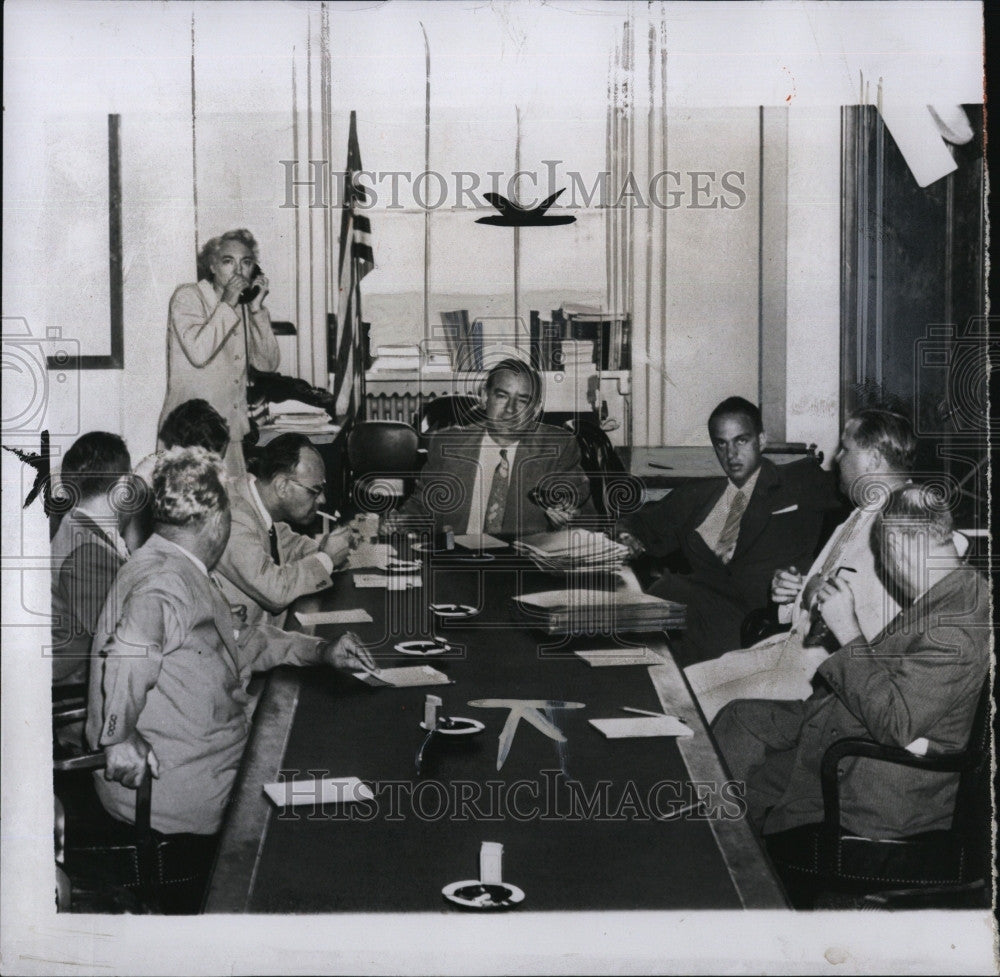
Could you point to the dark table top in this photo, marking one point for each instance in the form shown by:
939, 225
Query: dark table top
587, 824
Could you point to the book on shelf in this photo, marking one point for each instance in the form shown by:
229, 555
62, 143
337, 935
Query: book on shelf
464, 339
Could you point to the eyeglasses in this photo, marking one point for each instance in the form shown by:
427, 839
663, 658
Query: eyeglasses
315, 491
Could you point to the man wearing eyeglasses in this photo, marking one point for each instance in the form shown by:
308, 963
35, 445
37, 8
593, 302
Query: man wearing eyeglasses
266, 564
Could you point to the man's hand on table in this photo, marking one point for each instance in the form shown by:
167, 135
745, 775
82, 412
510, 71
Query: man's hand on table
126, 761
560, 516
348, 654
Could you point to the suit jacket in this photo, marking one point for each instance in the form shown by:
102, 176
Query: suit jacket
920, 678
250, 576
206, 354
84, 564
780, 528
546, 456
166, 662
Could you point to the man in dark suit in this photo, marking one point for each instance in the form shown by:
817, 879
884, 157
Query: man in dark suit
88, 548
733, 532
915, 686
505, 473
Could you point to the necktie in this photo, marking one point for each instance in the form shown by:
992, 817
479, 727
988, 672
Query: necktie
273, 536
731, 530
497, 502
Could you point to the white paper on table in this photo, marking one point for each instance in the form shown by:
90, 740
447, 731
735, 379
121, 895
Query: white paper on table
356, 616
394, 582
375, 555
599, 657
620, 729
480, 541
405, 677
329, 790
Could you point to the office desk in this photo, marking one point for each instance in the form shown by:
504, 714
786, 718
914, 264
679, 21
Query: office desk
423, 835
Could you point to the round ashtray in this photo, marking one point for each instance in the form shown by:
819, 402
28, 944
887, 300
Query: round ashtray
483, 897
454, 611
432, 646
456, 726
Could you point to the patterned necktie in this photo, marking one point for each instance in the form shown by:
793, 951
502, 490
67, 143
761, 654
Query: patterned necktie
726, 546
273, 536
497, 501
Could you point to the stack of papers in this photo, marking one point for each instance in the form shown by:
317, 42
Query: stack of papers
572, 550
294, 415
599, 611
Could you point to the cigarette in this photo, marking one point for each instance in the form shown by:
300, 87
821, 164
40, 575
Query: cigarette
327, 516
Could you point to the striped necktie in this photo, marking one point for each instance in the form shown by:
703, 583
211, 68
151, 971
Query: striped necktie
726, 545
497, 502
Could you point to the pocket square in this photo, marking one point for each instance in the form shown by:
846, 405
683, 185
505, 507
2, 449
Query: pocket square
788, 508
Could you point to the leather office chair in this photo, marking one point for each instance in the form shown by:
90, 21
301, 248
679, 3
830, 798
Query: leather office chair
383, 456
441, 412
817, 861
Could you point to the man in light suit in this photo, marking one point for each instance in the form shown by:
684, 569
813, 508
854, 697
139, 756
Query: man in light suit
876, 454
506, 473
170, 669
916, 686
733, 532
88, 547
266, 564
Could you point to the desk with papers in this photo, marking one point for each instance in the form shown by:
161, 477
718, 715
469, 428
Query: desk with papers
586, 820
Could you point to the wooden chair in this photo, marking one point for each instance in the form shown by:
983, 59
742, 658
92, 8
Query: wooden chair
819, 859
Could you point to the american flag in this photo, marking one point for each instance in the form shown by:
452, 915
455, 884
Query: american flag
356, 260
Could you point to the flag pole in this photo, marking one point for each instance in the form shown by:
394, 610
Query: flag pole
427, 166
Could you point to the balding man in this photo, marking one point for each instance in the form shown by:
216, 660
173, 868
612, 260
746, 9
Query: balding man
266, 564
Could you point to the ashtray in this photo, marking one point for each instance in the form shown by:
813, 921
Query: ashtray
432, 646
402, 566
454, 611
456, 726
477, 895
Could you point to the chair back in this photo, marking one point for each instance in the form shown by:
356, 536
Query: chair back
457, 410
382, 454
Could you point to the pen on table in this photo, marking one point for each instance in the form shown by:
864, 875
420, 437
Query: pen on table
642, 712
666, 468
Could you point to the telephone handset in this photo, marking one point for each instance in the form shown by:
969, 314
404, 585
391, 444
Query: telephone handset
251, 291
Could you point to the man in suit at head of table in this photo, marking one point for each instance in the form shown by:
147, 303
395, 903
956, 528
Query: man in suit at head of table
732, 532
505, 472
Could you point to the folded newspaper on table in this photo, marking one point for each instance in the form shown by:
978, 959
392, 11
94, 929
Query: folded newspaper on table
573, 549
599, 611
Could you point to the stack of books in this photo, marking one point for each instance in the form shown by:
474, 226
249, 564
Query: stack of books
398, 356
599, 611
578, 355
573, 550
293, 415
464, 339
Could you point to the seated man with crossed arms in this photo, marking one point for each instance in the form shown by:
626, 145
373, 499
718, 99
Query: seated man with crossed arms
482, 477
266, 564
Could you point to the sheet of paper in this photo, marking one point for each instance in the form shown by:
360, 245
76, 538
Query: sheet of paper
636, 726
393, 582
600, 657
329, 790
405, 677
356, 616
480, 541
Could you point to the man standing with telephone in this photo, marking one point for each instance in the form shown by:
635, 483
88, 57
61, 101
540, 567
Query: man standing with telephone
216, 328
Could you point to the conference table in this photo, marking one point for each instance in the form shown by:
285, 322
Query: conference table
586, 822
